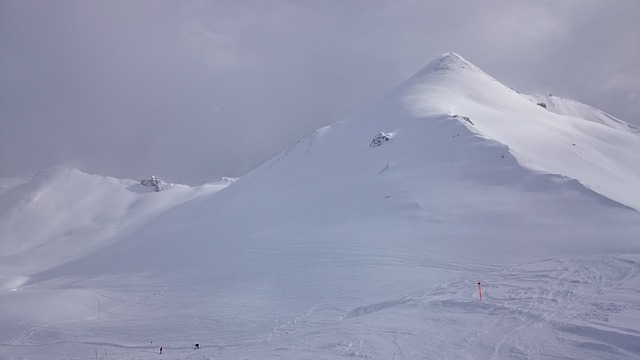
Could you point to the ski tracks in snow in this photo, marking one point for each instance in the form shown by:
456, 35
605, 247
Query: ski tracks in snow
548, 307
552, 307
551, 295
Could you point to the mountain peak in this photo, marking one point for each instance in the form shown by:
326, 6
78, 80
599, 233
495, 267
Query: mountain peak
451, 57
448, 62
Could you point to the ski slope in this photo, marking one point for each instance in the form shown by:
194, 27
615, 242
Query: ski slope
366, 239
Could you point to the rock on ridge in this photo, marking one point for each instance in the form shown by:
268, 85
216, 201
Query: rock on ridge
155, 183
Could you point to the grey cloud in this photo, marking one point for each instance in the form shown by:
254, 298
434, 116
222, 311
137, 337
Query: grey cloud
194, 90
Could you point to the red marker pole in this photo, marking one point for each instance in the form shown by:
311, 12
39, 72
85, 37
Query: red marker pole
480, 290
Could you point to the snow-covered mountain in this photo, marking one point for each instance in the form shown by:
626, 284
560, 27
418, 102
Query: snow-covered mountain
367, 239
63, 214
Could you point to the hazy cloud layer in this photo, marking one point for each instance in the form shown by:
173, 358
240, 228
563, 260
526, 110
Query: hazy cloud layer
192, 90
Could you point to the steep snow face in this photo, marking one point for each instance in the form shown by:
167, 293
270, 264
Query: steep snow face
368, 238
602, 153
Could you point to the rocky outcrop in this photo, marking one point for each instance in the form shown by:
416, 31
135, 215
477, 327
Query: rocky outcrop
380, 139
156, 184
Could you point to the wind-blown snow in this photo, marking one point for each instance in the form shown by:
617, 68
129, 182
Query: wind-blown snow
340, 249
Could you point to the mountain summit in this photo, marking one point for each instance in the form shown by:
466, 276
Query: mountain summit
554, 139
448, 63
369, 238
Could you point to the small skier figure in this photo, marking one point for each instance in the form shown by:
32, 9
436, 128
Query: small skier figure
196, 347
160, 349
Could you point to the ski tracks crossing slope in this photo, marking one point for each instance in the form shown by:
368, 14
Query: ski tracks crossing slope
543, 309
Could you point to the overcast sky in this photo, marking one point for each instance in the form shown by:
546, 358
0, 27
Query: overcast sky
193, 90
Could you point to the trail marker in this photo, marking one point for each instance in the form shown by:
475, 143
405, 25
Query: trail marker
480, 290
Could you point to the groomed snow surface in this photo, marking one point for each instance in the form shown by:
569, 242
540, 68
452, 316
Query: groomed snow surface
339, 249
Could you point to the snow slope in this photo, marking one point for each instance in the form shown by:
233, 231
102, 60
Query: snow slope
594, 152
367, 239
579, 110
63, 214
